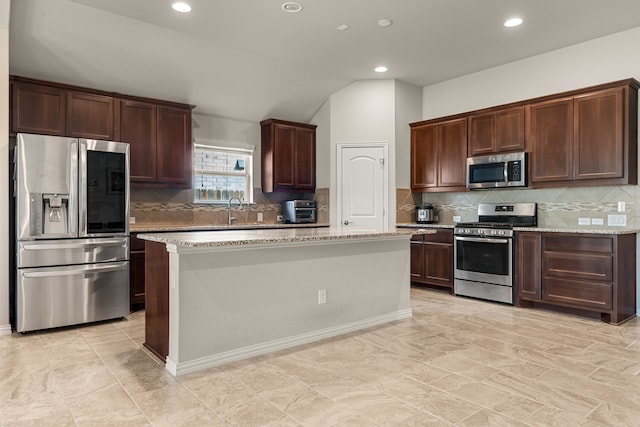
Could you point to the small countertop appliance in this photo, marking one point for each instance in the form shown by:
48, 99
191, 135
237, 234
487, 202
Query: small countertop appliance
299, 211
425, 214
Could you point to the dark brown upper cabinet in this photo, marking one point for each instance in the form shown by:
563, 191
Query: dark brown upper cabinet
494, 132
158, 132
159, 138
589, 138
550, 136
438, 155
288, 156
37, 109
583, 137
90, 116
138, 128
173, 151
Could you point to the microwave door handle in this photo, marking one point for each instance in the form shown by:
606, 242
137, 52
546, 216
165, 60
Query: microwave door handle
506, 171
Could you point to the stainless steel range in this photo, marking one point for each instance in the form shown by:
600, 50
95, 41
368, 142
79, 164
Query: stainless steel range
483, 250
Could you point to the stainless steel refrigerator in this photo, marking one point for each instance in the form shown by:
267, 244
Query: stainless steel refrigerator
72, 231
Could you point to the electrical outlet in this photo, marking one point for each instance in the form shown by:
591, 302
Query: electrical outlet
617, 220
322, 296
597, 221
622, 206
132, 220
260, 217
584, 221
457, 218
279, 218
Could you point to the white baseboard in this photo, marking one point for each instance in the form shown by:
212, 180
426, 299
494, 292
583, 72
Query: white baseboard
280, 344
5, 329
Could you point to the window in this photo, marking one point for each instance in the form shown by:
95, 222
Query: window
221, 173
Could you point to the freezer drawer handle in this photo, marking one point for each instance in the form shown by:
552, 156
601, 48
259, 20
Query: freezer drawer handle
74, 245
100, 269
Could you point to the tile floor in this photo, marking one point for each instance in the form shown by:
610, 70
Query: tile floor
456, 362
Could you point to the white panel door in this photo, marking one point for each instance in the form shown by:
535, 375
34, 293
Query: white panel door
362, 177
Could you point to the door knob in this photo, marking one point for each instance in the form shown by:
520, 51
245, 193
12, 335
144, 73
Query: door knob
346, 222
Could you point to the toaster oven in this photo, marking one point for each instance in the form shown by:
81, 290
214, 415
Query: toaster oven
299, 211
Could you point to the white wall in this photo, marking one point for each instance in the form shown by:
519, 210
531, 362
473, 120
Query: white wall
322, 119
5, 327
602, 60
408, 108
363, 112
230, 133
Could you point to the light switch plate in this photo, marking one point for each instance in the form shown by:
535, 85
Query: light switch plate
132, 220
584, 221
456, 218
260, 217
597, 221
617, 220
621, 206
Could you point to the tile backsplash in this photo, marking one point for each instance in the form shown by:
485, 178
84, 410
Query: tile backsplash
557, 207
176, 207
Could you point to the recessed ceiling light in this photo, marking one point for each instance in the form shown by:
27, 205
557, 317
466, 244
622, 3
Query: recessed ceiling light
381, 69
513, 22
181, 7
291, 6
343, 27
384, 22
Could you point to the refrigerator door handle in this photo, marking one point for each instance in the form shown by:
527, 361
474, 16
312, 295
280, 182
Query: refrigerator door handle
76, 271
65, 245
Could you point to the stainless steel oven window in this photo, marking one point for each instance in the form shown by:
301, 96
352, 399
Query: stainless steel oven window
484, 259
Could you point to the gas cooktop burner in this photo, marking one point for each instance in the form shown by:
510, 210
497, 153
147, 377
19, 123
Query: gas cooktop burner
498, 220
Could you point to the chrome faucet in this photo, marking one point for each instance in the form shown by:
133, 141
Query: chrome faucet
229, 207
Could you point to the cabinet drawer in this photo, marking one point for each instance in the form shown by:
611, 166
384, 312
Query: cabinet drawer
564, 243
440, 236
578, 293
417, 238
579, 266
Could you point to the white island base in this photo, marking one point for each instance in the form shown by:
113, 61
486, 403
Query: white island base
232, 302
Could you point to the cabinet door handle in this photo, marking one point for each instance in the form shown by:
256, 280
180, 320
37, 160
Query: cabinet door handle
346, 222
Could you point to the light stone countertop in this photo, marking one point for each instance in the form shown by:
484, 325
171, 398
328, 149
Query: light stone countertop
576, 230
152, 228
610, 230
415, 225
196, 239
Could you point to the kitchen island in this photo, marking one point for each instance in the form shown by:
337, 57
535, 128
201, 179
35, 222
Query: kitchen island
219, 296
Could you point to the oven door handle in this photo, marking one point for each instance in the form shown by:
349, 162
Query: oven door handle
482, 239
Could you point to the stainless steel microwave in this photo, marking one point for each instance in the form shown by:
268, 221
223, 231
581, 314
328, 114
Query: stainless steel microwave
497, 171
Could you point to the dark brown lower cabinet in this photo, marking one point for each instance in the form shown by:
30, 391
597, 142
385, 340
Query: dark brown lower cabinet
432, 259
136, 273
594, 273
156, 314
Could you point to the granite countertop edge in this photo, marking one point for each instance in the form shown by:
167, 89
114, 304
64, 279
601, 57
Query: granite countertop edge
156, 228
579, 230
415, 225
576, 230
204, 239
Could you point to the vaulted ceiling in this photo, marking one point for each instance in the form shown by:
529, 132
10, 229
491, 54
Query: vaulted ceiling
247, 59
